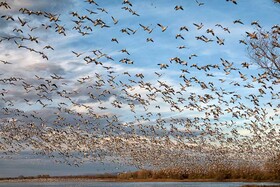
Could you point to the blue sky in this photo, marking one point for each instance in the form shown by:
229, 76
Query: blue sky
78, 76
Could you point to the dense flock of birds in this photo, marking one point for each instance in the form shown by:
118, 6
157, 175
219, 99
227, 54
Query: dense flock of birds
131, 117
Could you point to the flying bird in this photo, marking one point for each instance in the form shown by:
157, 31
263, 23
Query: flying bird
163, 28
178, 7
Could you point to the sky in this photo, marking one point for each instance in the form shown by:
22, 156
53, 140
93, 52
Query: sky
55, 91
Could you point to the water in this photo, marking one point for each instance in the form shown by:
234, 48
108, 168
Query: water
131, 184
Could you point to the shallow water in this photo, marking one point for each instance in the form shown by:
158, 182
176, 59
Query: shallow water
131, 184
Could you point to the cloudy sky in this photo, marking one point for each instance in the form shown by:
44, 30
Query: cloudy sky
90, 64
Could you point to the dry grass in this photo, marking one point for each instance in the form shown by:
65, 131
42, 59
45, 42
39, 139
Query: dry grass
261, 186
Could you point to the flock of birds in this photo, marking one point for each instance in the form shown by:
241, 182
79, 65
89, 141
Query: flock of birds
126, 116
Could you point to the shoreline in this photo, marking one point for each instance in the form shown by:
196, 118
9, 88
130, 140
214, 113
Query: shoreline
65, 179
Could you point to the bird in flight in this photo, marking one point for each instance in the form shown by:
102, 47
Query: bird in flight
163, 28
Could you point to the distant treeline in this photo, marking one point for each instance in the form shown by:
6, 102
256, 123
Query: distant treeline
97, 176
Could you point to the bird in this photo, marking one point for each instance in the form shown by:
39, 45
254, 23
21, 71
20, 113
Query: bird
46, 26
91, 2
125, 51
210, 31
243, 41
238, 21
178, 7
245, 65
126, 61
149, 40
163, 66
179, 36
5, 62
114, 40
102, 10
7, 17
199, 3
91, 12
198, 26
146, 28
184, 28
114, 20
256, 23
132, 31
49, 47
163, 28
233, 1
17, 30
226, 29
252, 35
5, 4
22, 22
32, 38
181, 47
127, 2
125, 31
203, 38
77, 54
220, 41
192, 55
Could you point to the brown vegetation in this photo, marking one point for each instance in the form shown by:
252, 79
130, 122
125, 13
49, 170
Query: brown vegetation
261, 186
219, 175
219, 171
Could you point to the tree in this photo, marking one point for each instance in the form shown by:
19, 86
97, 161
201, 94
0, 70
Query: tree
264, 49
